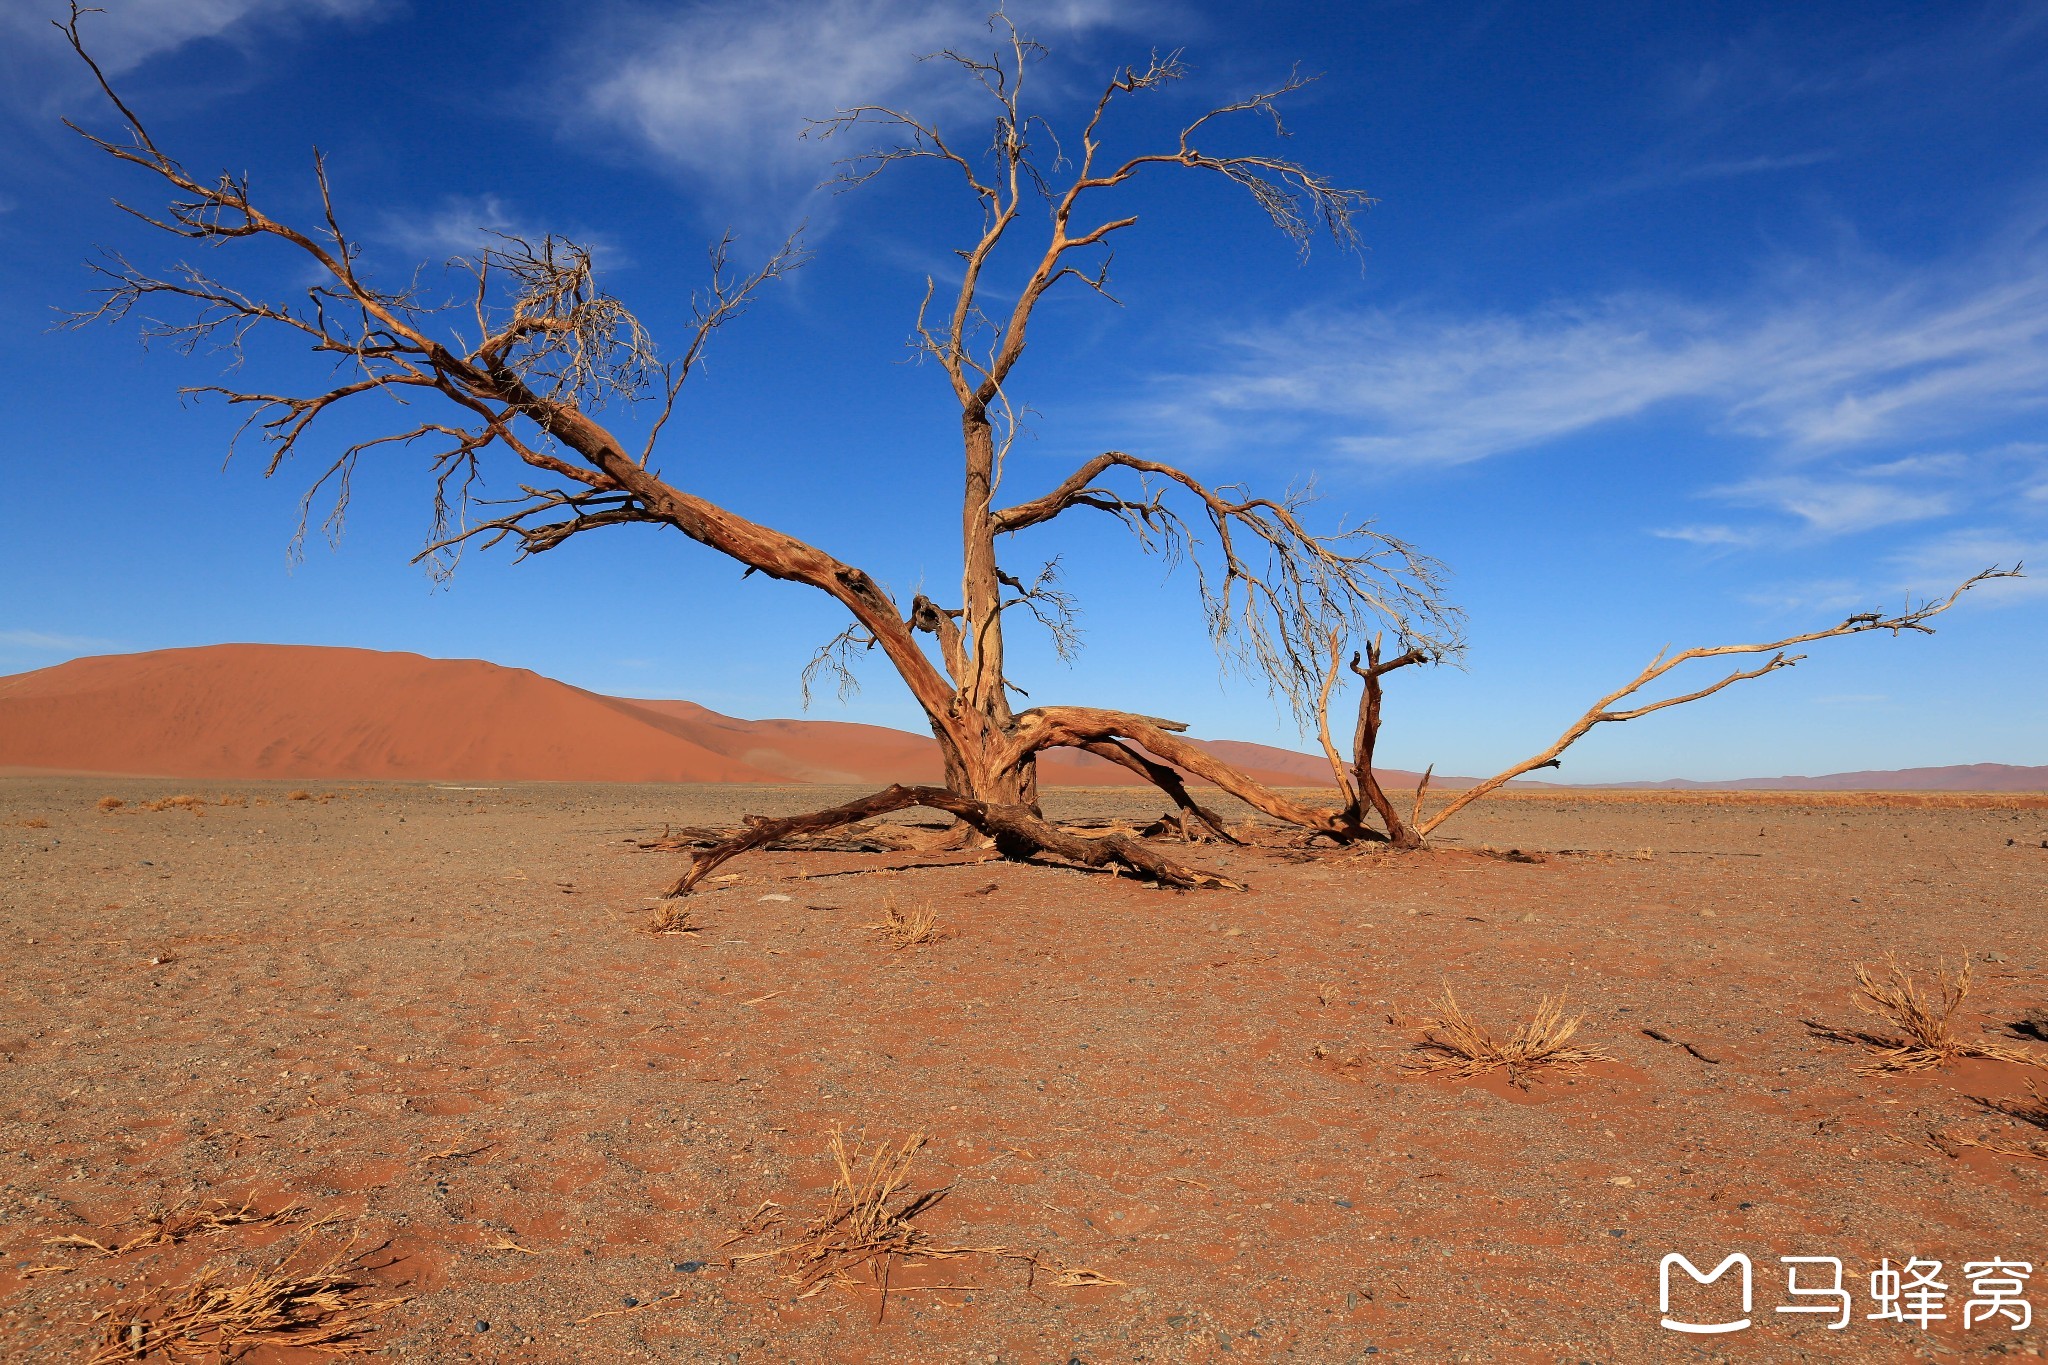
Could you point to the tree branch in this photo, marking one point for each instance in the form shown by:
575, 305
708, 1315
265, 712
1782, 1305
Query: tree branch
1910, 618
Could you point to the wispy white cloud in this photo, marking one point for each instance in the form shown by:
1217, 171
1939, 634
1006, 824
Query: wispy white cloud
723, 90
1713, 536
1669, 177
460, 225
1831, 506
466, 225
1954, 555
46, 642
130, 32
1854, 364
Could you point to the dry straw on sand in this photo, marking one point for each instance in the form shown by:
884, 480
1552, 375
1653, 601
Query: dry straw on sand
909, 928
219, 1316
1924, 1019
671, 917
177, 1224
1459, 1045
869, 1224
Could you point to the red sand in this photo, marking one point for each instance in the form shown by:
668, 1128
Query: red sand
303, 711
312, 712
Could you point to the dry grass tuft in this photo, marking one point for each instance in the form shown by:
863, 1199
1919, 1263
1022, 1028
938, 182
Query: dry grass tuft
1924, 1021
195, 804
671, 917
1459, 1045
233, 799
299, 795
325, 1309
2033, 1109
909, 928
111, 803
868, 1222
35, 822
177, 1224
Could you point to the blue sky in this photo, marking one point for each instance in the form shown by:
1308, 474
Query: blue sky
1674, 325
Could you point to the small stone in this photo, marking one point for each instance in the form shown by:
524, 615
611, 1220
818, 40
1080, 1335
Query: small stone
482, 1326
689, 1267
629, 1301
1233, 932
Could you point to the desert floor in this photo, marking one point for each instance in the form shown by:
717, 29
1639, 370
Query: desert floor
429, 1017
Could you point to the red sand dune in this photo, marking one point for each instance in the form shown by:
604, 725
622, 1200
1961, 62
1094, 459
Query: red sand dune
303, 711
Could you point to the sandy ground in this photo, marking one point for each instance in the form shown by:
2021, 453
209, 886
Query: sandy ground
428, 1017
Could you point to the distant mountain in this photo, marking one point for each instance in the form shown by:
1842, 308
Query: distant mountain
306, 711
1964, 777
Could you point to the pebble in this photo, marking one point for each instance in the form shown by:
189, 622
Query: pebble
482, 1326
689, 1267
629, 1301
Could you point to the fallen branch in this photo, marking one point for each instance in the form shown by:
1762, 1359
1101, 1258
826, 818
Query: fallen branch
1016, 831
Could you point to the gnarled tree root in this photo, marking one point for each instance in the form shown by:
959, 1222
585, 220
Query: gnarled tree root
1016, 831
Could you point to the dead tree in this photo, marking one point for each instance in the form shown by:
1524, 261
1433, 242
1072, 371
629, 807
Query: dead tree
1360, 788
518, 371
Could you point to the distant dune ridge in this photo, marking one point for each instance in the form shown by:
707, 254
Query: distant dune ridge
306, 711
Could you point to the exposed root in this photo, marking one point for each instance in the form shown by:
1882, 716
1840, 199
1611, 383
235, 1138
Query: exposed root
213, 1316
1924, 1020
1459, 1045
1016, 831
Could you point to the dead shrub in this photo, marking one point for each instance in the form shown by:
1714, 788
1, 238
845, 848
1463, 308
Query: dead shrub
216, 1316
37, 822
111, 803
1924, 1020
1457, 1044
671, 917
909, 928
233, 799
299, 795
